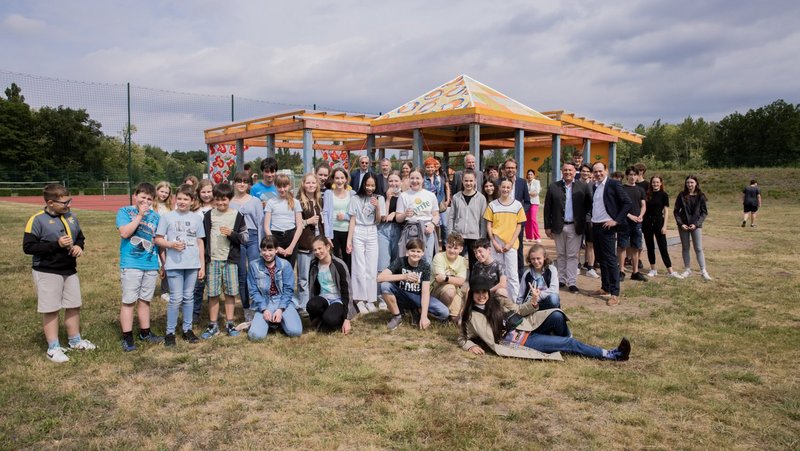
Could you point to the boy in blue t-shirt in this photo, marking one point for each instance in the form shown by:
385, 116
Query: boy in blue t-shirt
138, 264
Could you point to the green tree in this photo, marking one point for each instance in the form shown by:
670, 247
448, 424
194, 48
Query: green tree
20, 158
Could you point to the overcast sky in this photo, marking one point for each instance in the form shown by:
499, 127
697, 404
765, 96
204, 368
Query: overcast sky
627, 62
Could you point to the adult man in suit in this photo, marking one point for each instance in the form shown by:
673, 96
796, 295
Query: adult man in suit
382, 178
358, 174
469, 164
610, 207
523, 196
565, 207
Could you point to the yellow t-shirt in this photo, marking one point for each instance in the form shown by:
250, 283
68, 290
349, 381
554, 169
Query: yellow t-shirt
504, 219
441, 265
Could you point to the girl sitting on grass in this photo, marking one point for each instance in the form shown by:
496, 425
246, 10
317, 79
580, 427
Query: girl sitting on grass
540, 280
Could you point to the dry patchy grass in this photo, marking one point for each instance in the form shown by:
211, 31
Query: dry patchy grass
714, 365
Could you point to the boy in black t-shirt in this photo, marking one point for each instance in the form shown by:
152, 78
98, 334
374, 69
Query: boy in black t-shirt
487, 269
751, 200
629, 242
406, 285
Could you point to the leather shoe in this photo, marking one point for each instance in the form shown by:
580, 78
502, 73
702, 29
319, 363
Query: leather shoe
624, 349
612, 301
574, 289
601, 293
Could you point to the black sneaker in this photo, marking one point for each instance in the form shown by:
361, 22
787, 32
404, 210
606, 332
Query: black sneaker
151, 337
561, 285
743, 223
574, 289
639, 276
624, 350
189, 336
169, 340
621, 276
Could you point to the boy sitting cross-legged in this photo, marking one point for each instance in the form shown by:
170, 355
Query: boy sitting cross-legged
488, 269
138, 264
225, 230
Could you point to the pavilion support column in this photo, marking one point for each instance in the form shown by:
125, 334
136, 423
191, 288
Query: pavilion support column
271, 146
416, 146
240, 155
587, 152
371, 149
475, 145
612, 157
381, 153
519, 151
308, 151
555, 158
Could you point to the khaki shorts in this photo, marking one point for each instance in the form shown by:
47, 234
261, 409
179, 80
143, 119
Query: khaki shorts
56, 292
137, 284
455, 303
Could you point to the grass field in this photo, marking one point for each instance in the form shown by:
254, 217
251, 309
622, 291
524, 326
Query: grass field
714, 364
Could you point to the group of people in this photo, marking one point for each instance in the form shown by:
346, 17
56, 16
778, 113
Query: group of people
414, 242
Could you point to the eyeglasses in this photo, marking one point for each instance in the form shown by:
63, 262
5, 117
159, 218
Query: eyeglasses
65, 203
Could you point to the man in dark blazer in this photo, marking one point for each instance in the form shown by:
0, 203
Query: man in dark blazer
610, 207
358, 173
565, 207
523, 196
382, 179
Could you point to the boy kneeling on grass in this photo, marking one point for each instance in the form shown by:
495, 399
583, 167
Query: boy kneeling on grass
225, 230
138, 264
54, 238
406, 285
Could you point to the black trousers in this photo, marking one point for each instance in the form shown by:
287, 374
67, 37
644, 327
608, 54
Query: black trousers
652, 232
605, 253
284, 240
331, 317
340, 247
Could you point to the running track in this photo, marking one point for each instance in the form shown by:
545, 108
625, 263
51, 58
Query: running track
97, 203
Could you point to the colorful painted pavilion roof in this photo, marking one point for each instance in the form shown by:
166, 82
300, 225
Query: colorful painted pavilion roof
460, 96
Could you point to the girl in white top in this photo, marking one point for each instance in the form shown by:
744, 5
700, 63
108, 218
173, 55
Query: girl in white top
283, 217
531, 225
335, 214
366, 211
163, 202
418, 211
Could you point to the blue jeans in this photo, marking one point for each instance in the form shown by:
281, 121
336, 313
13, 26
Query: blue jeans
410, 301
552, 300
553, 335
249, 252
388, 237
291, 324
181, 297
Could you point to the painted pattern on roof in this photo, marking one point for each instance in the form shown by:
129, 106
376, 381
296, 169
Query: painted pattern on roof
463, 93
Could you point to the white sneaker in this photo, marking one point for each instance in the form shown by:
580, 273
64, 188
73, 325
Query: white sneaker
165, 297
592, 273
57, 355
686, 273
362, 307
705, 275
652, 273
371, 307
675, 275
83, 345
382, 305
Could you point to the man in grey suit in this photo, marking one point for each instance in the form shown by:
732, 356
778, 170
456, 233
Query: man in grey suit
469, 164
565, 207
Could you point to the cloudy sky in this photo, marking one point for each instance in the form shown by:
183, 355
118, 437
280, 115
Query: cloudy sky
627, 62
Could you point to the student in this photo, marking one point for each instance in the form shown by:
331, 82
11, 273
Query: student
283, 218
629, 238
654, 226
252, 210
191, 181
226, 230
504, 219
540, 280
405, 285
265, 189
55, 240
545, 331
365, 211
490, 191
436, 183
163, 204
181, 233
138, 264
389, 229
203, 203
487, 269
532, 225
323, 171
466, 214
335, 208
751, 201
405, 173
449, 275
271, 283
309, 198
418, 212
329, 307
690, 211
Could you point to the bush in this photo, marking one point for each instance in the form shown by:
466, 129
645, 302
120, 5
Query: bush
5, 192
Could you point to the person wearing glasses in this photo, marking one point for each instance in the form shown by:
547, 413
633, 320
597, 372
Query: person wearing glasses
55, 240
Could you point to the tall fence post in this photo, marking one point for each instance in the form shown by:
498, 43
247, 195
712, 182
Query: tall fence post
130, 152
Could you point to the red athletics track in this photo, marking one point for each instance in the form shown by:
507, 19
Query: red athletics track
97, 203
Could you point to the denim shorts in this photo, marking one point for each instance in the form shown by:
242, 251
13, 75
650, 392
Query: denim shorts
632, 237
137, 284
